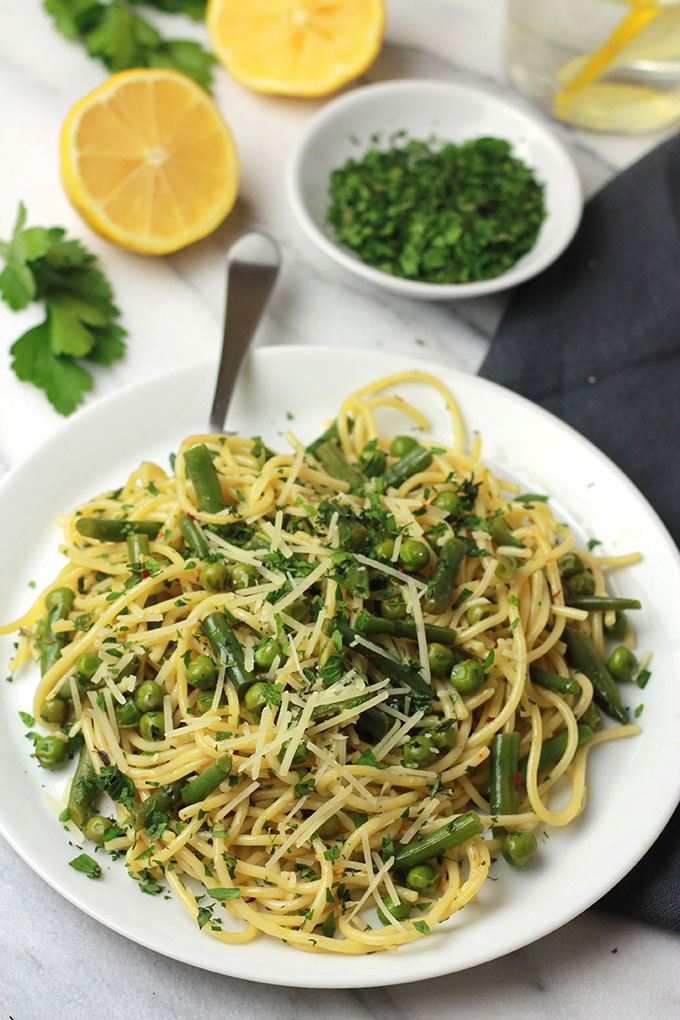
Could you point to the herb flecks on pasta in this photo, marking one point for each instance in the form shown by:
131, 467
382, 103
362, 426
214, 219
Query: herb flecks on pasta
325, 685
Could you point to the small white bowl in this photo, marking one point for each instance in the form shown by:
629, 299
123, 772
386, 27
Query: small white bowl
453, 112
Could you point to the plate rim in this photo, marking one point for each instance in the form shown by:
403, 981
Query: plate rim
392, 362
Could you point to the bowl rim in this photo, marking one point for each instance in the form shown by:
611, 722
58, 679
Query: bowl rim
524, 269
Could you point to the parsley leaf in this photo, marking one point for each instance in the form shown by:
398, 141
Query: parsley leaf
332, 853
422, 926
85, 864
225, 894
368, 758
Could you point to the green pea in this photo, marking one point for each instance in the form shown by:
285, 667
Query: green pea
413, 555
214, 577
622, 663
204, 701
127, 715
579, 584
393, 607
254, 698
297, 610
95, 827
448, 501
618, 628
202, 672
505, 568
53, 711
301, 752
64, 692
477, 613
419, 751
353, 534
435, 535
423, 878
519, 848
440, 658
149, 696
400, 910
242, 575
50, 752
266, 652
384, 549
570, 564
59, 596
467, 676
259, 541
330, 828
401, 445
372, 461
87, 664
443, 737
152, 726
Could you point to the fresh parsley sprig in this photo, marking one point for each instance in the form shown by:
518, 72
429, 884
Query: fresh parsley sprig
120, 38
42, 264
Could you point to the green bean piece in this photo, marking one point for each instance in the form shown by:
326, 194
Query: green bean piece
582, 656
372, 725
622, 663
554, 682
440, 658
242, 575
467, 676
87, 664
352, 533
95, 827
50, 752
152, 726
448, 500
393, 608
570, 564
499, 529
603, 604
300, 755
591, 717
405, 629
165, 798
503, 771
334, 463
384, 549
228, 649
519, 848
553, 749
254, 699
401, 445
395, 668
440, 587
372, 461
412, 463
105, 529
62, 597
330, 433
214, 577
505, 568
578, 586
127, 715
201, 471
149, 696
53, 710
208, 780
400, 911
266, 653
419, 851
617, 629
202, 672
443, 736
419, 751
137, 546
325, 711
423, 878
193, 536
475, 614
59, 605
83, 792
413, 555
357, 581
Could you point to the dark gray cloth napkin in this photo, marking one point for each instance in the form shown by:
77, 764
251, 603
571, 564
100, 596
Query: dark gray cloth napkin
596, 340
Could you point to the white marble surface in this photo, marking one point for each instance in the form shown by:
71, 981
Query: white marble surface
55, 961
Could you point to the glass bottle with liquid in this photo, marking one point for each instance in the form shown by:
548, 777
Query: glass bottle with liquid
609, 65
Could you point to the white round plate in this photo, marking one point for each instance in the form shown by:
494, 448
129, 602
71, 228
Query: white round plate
454, 112
633, 784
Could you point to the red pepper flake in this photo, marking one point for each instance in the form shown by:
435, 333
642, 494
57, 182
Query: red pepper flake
517, 779
145, 572
490, 718
556, 593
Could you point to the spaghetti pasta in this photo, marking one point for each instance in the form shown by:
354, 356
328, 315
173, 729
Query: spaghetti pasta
295, 675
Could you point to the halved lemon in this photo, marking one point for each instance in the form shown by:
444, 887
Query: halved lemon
149, 161
296, 47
